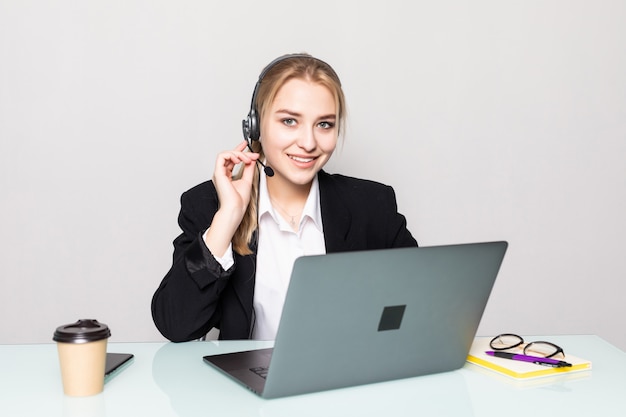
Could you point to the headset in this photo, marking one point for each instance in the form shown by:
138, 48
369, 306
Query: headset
251, 125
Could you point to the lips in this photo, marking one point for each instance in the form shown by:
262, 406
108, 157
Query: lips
300, 159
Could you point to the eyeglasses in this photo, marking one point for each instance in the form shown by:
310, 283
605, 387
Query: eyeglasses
539, 348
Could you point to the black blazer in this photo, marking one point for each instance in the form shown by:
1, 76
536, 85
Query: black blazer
197, 295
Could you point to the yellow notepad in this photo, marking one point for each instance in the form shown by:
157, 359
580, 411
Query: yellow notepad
519, 369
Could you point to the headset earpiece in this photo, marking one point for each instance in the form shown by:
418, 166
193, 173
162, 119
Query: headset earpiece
250, 125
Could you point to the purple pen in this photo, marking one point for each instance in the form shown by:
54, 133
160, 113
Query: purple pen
554, 363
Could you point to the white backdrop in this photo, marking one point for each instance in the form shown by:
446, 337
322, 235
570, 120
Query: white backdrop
492, 120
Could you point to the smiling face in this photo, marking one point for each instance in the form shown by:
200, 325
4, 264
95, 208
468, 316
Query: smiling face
299, 132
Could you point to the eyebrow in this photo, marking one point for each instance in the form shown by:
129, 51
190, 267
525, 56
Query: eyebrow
296, 114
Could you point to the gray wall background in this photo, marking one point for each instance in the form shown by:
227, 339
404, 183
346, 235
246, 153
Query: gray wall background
492, 119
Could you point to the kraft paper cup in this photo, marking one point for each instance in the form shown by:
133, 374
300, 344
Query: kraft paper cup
82, 350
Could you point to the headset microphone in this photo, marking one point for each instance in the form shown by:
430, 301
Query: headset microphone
268, 170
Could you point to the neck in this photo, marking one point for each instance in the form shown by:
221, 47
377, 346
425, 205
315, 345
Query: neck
289, 196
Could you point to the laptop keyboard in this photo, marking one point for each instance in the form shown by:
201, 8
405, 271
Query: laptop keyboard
260, 371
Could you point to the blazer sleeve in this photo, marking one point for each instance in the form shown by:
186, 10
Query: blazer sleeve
186, 304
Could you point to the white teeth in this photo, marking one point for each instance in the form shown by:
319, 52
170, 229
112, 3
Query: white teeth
295, 158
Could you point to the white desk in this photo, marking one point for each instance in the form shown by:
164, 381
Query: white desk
169, 379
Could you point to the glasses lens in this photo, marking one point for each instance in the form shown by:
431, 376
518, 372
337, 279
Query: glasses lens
506, 341
543, 349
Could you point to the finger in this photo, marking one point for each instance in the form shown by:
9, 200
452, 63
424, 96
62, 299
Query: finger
236, 157
248, 172
243, 145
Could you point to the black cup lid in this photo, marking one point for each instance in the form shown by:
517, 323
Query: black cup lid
82, 331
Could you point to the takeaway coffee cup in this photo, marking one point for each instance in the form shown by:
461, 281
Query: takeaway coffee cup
82, 350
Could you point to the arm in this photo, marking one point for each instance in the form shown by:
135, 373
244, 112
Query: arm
186, 304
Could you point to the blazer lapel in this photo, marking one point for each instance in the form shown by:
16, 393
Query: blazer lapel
336, 218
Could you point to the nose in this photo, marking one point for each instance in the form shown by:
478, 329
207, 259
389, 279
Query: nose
306, 139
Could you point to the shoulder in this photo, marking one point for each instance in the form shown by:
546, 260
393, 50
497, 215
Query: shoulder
360, 214
351, 185
201, 192
200, 201
197, 207
356, 194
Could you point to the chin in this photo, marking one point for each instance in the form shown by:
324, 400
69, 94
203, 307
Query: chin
302, 179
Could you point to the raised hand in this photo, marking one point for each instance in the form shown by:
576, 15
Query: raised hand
234, 196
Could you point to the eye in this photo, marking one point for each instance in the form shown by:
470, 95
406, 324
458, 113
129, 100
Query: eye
326, 125
289, 122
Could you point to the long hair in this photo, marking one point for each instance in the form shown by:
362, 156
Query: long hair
300, 66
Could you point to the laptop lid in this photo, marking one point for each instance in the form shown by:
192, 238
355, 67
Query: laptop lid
354, 318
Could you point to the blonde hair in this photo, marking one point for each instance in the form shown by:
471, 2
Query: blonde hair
296, 66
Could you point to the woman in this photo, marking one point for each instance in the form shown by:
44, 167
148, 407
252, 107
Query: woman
243, 230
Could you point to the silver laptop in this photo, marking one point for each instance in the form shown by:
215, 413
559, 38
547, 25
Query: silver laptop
356, 318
